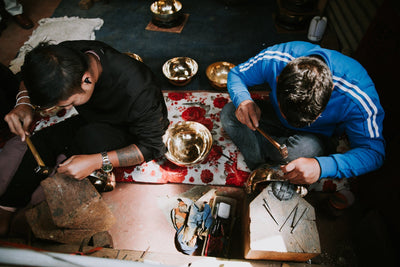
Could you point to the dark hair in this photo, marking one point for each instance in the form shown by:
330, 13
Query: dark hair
52, 73
303, 90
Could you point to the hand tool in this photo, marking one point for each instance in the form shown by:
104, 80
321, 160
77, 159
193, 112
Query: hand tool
290, 214
269, 212
282, 148
298, 221
41, 168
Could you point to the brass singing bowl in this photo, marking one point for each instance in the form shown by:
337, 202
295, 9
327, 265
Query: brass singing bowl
165, 7
134, 56
166, 11
188, 143
217, 74
263, 174
266, 173
180, 70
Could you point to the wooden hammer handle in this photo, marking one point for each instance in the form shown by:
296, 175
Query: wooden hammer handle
34, 152
272, 141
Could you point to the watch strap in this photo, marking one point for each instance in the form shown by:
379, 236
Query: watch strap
107, 165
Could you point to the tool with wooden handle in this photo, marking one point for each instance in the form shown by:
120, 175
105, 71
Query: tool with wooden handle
282, 148
41, 168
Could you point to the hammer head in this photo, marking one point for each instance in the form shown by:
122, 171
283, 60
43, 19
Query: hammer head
284, 151
44, 170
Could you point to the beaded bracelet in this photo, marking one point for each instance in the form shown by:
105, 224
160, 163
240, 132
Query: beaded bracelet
20, 92
24, 103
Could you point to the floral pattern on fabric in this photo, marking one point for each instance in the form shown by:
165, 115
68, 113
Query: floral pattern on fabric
224, 164
219, 168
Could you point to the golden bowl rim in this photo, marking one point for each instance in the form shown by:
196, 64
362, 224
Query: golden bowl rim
134, 56
202, 157
157, 13
177, 79
215, 84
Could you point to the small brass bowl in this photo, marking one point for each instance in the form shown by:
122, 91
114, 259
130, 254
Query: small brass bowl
180, 70
217, 74
166, 13
134, 56
188, 143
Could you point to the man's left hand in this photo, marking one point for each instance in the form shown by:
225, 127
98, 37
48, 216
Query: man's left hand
302, 171
79, 166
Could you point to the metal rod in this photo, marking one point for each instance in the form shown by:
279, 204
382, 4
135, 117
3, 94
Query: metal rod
231, 160
269, 212
290, 214
294, 217
266, 203
301, 216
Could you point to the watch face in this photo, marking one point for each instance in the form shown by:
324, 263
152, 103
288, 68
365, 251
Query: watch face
107, 167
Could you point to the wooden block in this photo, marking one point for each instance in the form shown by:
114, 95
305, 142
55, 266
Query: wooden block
43, 227
265, 239
176, 29
76, 204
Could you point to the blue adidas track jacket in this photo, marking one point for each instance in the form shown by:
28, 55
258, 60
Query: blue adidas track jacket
353, 109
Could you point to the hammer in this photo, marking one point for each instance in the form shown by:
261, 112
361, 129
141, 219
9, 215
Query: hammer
41, 168
282, 148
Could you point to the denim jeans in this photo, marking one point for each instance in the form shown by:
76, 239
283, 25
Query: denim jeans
257, 150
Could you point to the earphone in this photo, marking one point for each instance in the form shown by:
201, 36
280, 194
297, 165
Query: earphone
87, 80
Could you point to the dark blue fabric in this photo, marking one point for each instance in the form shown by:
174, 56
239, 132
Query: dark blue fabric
215, 31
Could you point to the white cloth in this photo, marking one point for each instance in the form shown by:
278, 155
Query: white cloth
12, 7
56, 30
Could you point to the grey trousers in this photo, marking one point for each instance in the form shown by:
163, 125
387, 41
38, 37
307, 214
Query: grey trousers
257, 150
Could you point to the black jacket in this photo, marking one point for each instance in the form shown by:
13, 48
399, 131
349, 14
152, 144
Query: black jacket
126, 95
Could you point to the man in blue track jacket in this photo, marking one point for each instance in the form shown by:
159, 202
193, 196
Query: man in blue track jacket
316, 94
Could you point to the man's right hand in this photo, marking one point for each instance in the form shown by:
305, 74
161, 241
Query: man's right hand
248, 113
19, 120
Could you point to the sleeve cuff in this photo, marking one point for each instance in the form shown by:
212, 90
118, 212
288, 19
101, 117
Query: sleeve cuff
328, 167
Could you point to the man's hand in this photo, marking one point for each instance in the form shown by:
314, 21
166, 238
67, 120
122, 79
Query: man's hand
80, 166
302, 171
19, 120
248, 113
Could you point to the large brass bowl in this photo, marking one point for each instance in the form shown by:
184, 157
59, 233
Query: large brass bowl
188, 143
217, 74
180, 70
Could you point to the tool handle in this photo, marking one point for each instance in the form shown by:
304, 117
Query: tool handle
34, 152
281, 148
269, 138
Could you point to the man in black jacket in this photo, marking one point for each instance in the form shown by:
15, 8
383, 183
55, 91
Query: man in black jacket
121, 117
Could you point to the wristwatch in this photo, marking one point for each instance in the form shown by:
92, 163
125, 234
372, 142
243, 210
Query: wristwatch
107, 165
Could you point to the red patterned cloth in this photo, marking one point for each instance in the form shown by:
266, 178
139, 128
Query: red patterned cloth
224, 164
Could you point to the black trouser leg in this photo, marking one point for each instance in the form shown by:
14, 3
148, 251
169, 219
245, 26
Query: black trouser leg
71, 137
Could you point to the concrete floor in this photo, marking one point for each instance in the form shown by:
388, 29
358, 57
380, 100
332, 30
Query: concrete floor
139, 225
